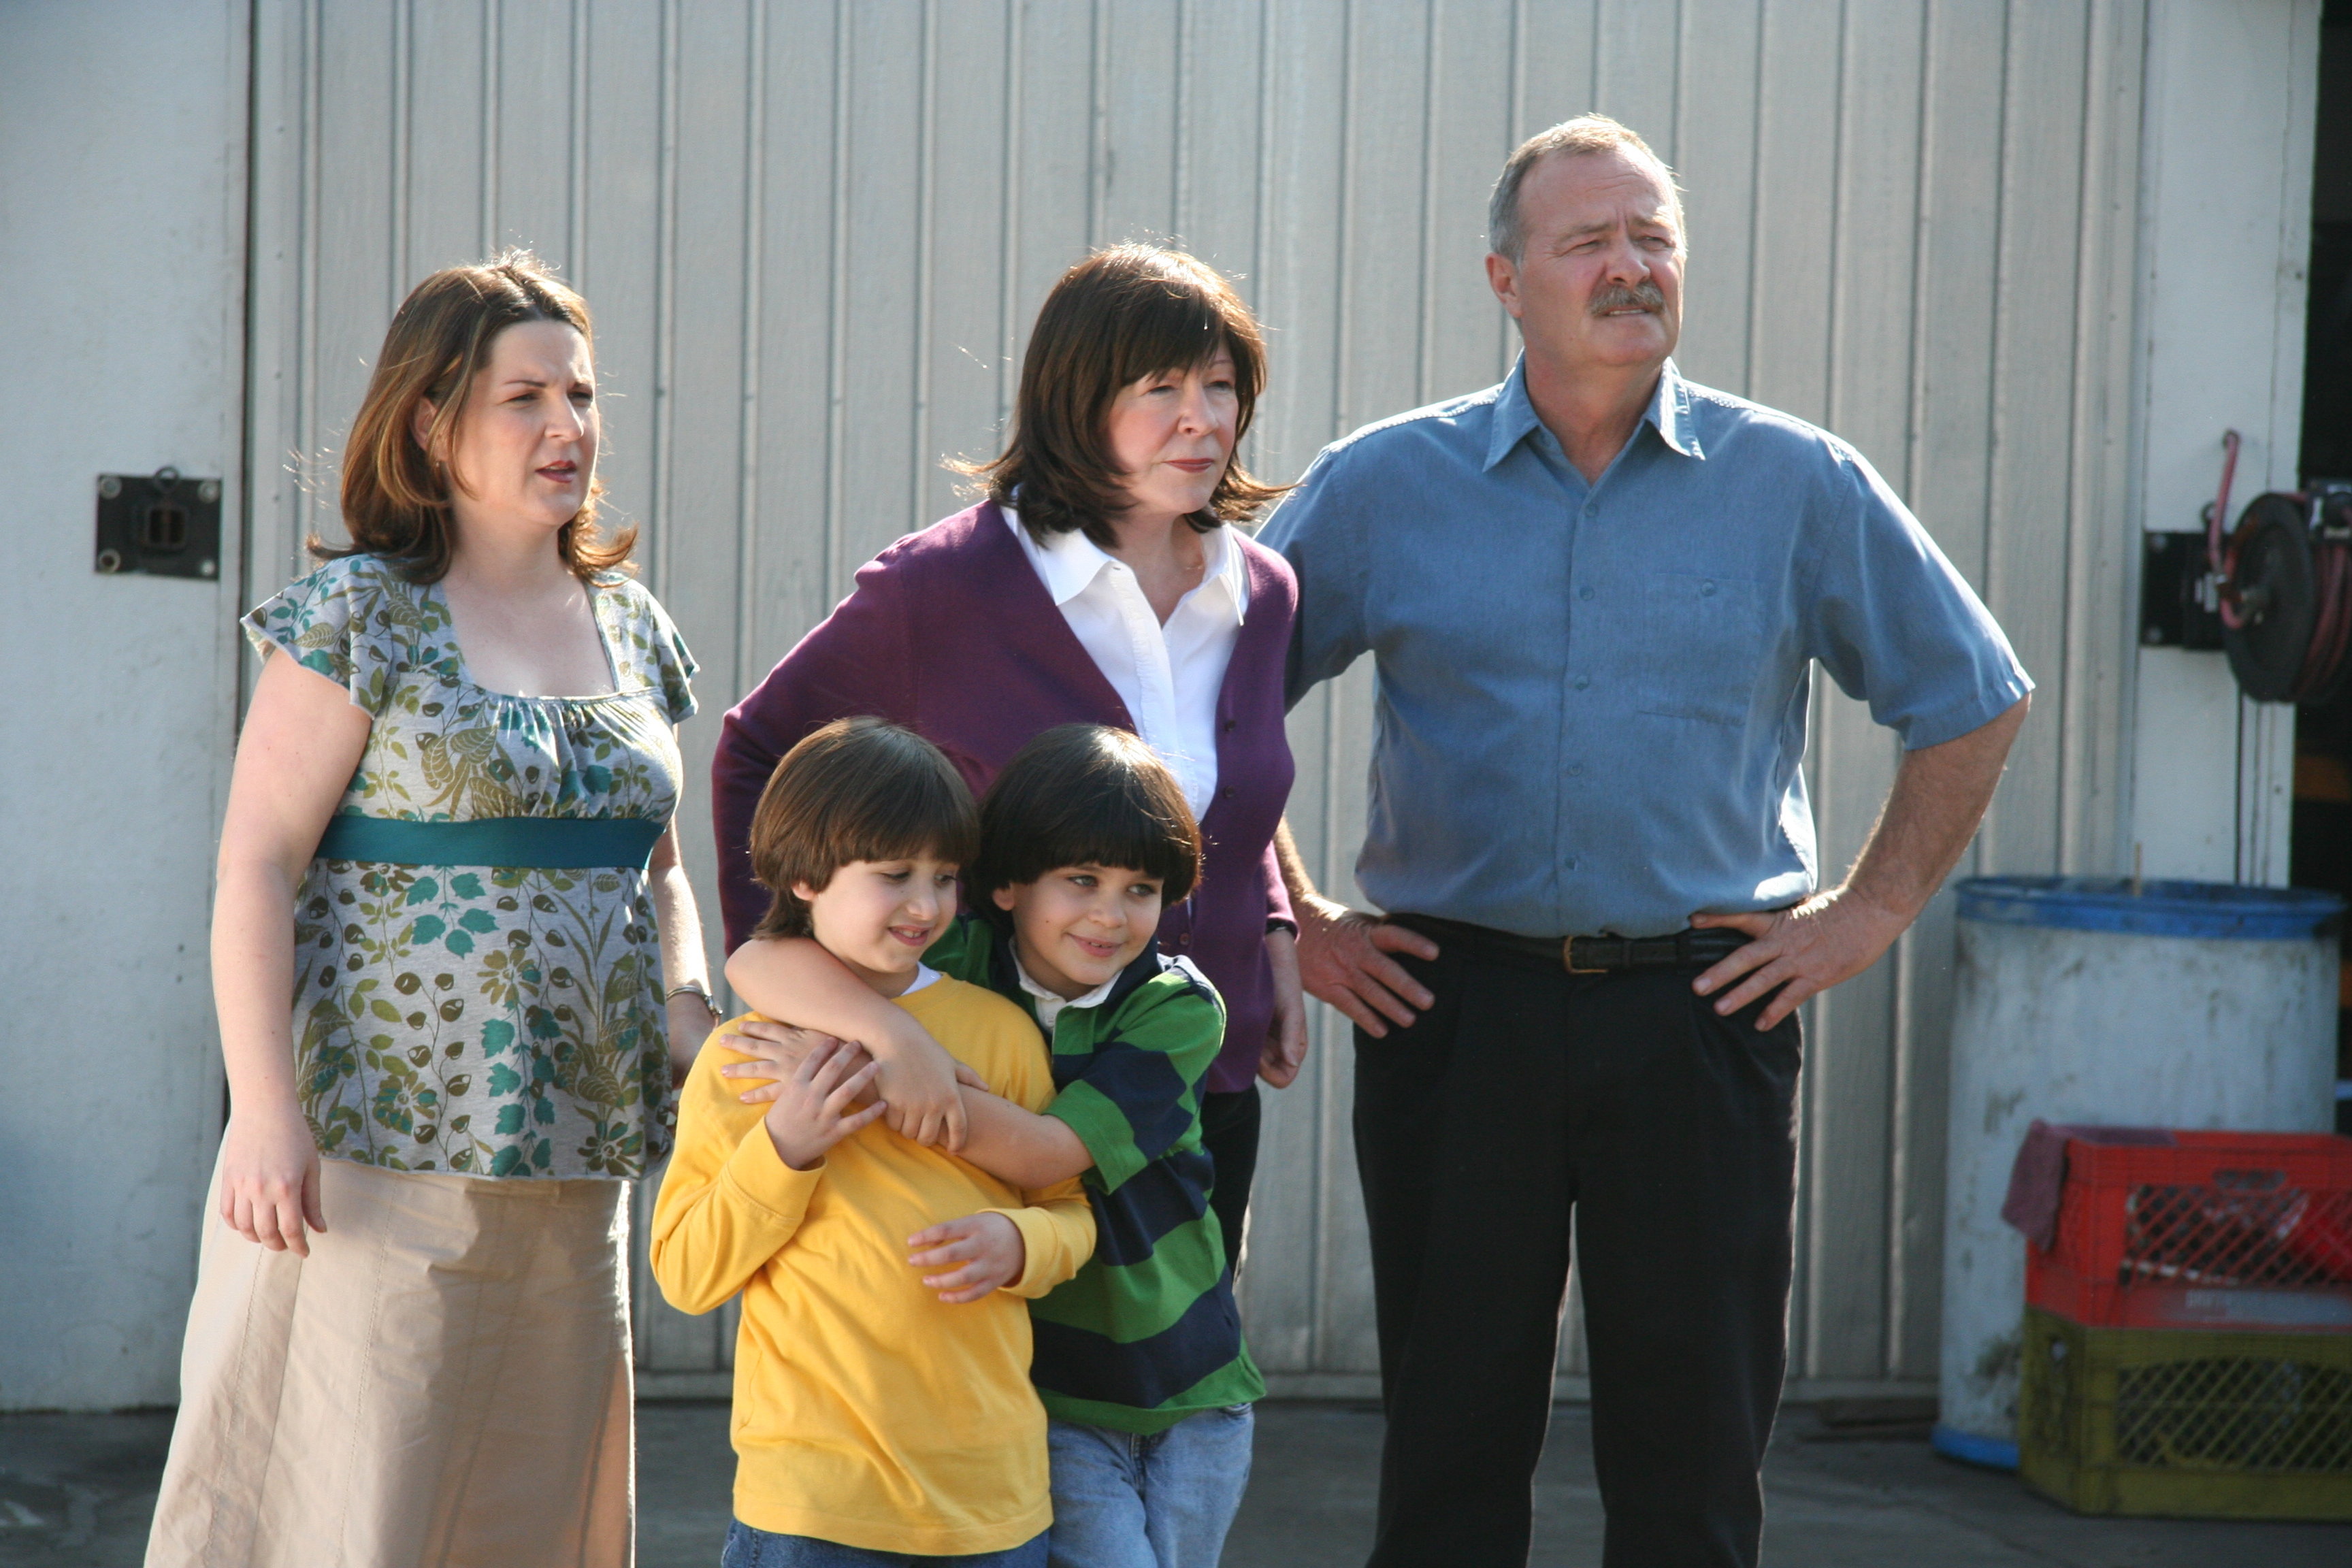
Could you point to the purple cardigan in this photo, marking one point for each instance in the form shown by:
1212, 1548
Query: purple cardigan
951, 634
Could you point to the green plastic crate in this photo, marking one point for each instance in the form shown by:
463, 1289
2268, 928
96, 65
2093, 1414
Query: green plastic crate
2186, 1423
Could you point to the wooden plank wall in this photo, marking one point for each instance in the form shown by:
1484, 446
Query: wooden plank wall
814, 233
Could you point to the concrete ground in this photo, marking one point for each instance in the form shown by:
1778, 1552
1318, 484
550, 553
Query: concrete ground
76, 1492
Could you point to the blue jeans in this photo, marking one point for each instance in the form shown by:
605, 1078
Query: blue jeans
1163, 1501
749, 1548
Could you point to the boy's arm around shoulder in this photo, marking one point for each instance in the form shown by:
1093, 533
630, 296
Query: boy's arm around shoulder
795, 981
729, 1203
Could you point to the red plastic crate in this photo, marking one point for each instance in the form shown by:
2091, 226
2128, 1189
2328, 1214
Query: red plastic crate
2222, 1230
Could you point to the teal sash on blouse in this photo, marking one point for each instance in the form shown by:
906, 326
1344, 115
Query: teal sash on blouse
538, 843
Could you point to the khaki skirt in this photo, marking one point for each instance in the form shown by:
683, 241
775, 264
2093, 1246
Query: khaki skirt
444, 1381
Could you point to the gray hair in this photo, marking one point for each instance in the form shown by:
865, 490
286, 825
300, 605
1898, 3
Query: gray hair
1585, 133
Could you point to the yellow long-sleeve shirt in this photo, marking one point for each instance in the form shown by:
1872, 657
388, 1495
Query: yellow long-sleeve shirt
867, 1411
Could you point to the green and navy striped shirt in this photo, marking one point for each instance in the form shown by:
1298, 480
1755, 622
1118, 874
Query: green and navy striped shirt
1147, 1333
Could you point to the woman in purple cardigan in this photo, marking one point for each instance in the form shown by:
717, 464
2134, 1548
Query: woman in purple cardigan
1100, 581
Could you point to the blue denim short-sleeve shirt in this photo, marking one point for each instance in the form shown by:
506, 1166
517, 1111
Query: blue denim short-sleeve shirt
1591, 699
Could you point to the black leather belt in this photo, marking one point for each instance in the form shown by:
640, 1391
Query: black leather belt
1687, 949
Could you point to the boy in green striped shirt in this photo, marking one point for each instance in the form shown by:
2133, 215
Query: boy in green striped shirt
1138, 1360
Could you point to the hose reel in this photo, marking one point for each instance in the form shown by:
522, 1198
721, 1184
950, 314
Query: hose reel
2283, 581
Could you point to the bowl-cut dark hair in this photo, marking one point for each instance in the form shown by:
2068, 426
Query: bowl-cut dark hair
1085, 795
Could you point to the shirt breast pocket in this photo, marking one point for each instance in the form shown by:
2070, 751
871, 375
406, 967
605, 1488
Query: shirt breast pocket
1702, 646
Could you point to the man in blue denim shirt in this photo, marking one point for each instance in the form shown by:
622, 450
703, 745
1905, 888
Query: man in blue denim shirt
1594, 594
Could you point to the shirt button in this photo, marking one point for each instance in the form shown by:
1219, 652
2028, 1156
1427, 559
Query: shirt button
1571, 862
1582, 681
1706, 589
1576, 769
1584, 593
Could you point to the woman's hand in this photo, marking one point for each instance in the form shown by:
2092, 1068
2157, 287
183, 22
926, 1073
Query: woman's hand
979, 1252
269, 1179
814, 1107
302, 741
691, 1019
1286, 1037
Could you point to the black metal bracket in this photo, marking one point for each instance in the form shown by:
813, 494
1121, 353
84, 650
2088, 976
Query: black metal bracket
161, 524
2178, 606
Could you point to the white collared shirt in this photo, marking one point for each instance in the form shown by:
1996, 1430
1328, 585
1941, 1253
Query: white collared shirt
1050, 1003
1168, 676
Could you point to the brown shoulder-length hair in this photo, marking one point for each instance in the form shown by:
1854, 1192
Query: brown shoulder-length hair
857, 789
396, 497
1121, 314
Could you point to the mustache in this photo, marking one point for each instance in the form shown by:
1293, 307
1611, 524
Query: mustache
1640, 296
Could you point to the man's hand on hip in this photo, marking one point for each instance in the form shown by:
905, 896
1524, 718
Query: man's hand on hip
1939, 795
1343, 959
1802, 950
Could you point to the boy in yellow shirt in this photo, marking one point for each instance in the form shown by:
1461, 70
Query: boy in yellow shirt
883, 1406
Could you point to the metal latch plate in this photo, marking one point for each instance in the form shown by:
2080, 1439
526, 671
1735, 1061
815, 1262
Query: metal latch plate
163, 524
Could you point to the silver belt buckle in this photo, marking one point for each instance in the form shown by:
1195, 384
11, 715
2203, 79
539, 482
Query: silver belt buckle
1568, 958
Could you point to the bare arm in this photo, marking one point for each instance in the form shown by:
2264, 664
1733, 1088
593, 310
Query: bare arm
302, 742
1939, 797
1344, 954
1285, 1051
1030, 1151
691, 1019
793, 979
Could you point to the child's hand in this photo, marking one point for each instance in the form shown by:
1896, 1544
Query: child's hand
920, 1086
776, 1050
812, 1113
988, 1246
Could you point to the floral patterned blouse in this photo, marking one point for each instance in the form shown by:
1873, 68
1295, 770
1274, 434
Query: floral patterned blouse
500, 1021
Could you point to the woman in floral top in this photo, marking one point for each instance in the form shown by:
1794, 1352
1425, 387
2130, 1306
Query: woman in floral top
449, 842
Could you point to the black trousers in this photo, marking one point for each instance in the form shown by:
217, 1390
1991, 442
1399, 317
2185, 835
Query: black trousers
1229, 1127
1525, 1102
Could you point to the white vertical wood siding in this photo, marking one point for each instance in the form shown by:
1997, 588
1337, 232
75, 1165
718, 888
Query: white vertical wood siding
814, 235
121, 699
